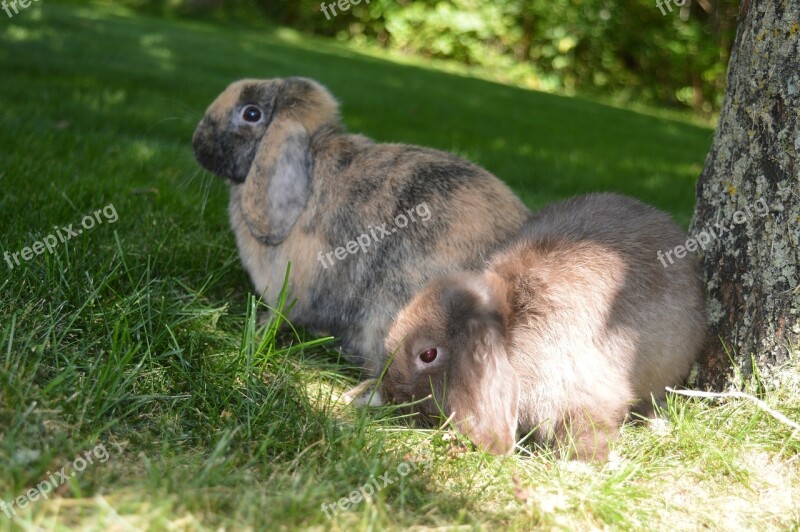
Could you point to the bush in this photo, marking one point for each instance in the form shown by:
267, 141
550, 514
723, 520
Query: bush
625, 48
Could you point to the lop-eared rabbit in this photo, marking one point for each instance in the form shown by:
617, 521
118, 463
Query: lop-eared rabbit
365, 225
569, 329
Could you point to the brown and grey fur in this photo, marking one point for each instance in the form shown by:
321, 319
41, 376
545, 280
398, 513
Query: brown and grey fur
570, 328
300, 185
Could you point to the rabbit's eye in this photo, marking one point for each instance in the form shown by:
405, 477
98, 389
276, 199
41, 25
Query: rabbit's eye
429, 355
251, 113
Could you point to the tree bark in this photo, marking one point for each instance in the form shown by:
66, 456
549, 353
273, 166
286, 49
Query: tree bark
751, 268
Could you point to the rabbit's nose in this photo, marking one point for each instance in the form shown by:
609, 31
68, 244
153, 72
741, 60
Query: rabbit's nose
199, 138
202, 145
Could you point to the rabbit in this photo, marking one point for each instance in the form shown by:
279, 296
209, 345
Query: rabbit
301, 189
571, 327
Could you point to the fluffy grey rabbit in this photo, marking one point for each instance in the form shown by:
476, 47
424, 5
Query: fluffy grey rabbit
569, 329
365, 225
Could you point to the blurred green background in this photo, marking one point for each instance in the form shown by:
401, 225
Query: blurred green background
643, 51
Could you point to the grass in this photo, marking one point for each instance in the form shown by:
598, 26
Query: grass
141, 335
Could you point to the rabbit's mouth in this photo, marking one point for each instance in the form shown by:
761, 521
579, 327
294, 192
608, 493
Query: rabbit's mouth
215, 162
393, 395
424, 408
425, 413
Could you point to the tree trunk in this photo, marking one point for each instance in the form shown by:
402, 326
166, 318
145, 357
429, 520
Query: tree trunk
748, 202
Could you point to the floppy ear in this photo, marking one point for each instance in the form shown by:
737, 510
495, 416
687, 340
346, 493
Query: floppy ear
278, 184
484, 395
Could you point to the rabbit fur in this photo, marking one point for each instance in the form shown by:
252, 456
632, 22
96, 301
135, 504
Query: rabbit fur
572, 326
300, 187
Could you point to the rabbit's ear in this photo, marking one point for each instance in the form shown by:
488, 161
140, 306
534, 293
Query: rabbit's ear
484, 393
278, 185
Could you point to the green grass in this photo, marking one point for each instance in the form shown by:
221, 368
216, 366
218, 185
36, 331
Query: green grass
141, 334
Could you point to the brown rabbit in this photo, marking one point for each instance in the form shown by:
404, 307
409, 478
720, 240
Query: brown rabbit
302, 190
571, 327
